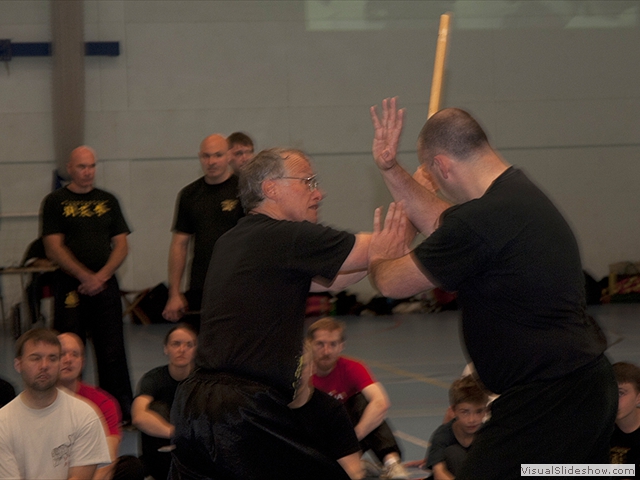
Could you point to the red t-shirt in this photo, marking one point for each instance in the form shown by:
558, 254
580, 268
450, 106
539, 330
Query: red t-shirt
346, 379
106, 403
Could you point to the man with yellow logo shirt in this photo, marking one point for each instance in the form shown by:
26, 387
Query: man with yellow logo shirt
205, 209
85, 233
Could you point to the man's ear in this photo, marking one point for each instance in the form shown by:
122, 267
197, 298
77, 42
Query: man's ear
269, 189
443, 164
17, 365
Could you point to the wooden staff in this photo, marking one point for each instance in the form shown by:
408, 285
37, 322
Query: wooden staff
438, 67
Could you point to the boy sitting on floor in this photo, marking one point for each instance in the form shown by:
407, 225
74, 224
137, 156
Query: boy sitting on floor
625, 441
452, 440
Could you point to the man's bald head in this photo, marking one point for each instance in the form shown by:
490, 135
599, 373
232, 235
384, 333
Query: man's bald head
81, 168
214, 158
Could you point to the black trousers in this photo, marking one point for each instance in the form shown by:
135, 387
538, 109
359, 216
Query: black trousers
229, 427
98, 317
380, 440
568, 420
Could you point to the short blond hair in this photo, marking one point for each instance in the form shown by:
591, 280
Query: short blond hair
327, 323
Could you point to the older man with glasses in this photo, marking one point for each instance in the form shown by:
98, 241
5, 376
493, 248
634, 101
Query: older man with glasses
232, 418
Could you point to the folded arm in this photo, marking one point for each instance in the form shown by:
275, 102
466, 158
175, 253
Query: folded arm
375, 412
147, 420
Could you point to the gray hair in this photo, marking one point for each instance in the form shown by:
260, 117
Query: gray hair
266, 165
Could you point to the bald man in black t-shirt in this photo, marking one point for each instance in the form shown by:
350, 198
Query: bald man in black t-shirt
205, 209
85, 233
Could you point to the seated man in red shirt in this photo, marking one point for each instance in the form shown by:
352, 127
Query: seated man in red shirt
365, 399
125, 467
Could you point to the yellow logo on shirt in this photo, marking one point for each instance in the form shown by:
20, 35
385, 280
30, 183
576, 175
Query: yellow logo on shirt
82, 208
229, 205
619, 455
72, 300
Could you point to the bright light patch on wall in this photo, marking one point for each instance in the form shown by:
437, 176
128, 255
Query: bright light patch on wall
322, 15
339, 15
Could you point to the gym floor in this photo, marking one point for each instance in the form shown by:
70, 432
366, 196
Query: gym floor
415, 356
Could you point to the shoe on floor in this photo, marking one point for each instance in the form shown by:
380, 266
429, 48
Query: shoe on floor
395, 471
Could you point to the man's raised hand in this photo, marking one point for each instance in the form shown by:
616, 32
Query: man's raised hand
386, 133
389, 241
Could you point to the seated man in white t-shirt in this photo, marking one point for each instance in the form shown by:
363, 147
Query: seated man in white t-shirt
46, 433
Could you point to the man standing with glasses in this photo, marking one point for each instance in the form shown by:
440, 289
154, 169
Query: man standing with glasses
205, 209
231, 416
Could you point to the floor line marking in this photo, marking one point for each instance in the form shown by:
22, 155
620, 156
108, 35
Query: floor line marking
411, 439
406, 373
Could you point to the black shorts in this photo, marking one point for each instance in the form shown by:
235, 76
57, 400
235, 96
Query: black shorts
567, 420
230, 427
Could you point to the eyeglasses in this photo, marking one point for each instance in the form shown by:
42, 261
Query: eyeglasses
311, 181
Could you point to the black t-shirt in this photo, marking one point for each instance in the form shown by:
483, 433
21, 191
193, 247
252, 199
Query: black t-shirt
625, 448
206, 212
88, 222
442, 439
515, 264
255, 294
161, 386
326, 422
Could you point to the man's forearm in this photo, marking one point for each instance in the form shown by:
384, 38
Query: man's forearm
440, 472
340, 282
153, 424
366, 425
371, 419
422, 206
398, 277
375, 411
351, 464
81, 473
116, 257
62, 256
177, 262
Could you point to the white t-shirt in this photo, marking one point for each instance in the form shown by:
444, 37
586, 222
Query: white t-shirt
44, 443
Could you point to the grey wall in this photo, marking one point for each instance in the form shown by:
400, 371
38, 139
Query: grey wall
555, 83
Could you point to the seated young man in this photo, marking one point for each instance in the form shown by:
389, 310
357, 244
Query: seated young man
625, 441
452, 440
45, 432
365, 399
150, 411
